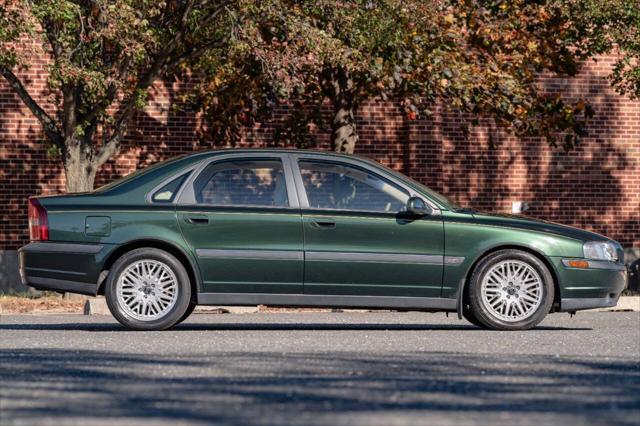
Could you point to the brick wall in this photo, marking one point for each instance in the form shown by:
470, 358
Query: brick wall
596, 187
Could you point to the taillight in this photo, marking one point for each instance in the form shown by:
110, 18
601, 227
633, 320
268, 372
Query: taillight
38, 225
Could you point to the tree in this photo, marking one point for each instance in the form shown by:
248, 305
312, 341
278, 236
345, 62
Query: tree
611, 25
105, 55
476, 56
342, 51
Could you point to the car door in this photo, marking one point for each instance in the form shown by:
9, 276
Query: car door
240, 216
358, 238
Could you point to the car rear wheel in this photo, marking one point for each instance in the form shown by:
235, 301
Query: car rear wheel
148, 289
510, 290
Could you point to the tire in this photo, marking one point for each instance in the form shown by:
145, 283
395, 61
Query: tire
510, 290
187, 313
466, 310
148, 289
469, 316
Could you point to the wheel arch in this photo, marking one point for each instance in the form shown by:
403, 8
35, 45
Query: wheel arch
463, 292
188, 263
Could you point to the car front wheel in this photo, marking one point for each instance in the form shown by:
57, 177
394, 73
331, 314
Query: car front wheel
187, 313
148, 289
510, 290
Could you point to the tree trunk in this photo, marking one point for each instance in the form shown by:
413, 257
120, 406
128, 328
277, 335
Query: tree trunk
79, 168
80, 174
339, 87
344, 134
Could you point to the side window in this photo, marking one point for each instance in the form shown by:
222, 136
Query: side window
342, 187
168, 192
242, 183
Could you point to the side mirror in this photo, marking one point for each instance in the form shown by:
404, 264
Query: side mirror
417, 206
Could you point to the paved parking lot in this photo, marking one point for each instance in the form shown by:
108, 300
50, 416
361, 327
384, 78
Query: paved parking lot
320, 368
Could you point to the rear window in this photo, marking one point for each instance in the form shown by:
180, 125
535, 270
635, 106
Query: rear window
136, 174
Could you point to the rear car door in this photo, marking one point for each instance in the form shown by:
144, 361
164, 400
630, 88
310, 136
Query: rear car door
358, 239
241, 218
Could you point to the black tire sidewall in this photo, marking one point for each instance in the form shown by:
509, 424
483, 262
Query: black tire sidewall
184, 289
480, 312
469, 316
187, 313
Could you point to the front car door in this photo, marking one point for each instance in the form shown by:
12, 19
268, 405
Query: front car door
358, 238
240, 216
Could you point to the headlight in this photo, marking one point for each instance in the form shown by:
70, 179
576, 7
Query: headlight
600, 250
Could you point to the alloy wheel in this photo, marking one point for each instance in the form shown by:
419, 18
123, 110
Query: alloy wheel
147, 290
512, 290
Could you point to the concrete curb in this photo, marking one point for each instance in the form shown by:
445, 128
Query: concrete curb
96, 306
226, 310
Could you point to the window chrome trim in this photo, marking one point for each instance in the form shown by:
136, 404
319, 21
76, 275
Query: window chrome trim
236, 209
354, 162
595, 264
186, 197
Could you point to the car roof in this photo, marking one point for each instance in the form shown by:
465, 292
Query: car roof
258, 151
273, 150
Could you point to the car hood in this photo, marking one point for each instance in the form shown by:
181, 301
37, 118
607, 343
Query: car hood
522, 222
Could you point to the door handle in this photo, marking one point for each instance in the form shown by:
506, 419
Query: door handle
197, 220
323, 223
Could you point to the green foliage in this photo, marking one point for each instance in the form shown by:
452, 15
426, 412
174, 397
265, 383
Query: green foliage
298, 129
610, 25
478, 56
11, 27
105, 55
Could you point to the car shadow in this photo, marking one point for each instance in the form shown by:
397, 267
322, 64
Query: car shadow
346, 327
194, 326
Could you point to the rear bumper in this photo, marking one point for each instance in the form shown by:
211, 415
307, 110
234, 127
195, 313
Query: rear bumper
66, 267
53, 284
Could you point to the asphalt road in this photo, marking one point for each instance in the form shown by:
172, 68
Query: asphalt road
320, 368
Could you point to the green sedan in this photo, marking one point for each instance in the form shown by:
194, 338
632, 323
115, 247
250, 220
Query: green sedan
301, 228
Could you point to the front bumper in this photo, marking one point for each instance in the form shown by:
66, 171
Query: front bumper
64, 267
572, 305
597, 286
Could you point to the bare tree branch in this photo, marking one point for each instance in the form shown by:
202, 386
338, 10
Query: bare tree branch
56, 49
185, 15
112, 91
162, 63
192, 53
68, 110
107, 151
48, 124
